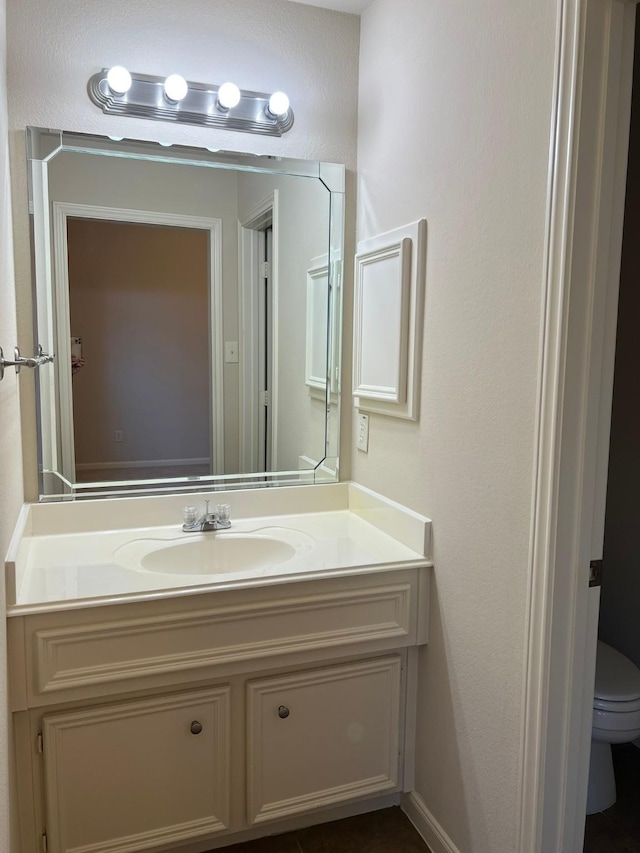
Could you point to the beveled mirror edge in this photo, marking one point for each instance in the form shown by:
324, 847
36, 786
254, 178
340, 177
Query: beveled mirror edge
42, 145
45, 143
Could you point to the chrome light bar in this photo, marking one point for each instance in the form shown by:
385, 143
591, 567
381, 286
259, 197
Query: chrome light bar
145, 96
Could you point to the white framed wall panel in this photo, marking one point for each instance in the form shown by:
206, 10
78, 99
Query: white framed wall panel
389, 300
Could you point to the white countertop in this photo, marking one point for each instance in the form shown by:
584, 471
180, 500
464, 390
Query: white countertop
61, 558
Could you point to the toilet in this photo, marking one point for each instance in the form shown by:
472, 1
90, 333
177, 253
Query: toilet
616, 719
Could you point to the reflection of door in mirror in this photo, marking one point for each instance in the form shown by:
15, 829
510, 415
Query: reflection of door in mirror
138, 298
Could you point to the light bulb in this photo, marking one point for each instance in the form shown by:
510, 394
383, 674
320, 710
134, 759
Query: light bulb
228, 96
175, 88
278, 104
118, 80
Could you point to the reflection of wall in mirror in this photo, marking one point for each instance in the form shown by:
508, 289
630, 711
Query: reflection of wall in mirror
139, 295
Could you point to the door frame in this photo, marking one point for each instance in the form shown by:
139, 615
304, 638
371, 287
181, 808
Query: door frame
251, 224
61, 211
587, 179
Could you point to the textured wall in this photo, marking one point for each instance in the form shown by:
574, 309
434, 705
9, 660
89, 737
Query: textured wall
465, 146
261, 44
10, 447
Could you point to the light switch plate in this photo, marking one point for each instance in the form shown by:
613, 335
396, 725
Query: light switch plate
362, 440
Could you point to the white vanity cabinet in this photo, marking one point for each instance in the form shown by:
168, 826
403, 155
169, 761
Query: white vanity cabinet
304, 692
130, 776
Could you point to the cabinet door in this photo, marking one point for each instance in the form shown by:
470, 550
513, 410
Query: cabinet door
322, 737
131, 776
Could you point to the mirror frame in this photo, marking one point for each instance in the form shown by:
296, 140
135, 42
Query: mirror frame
44, 144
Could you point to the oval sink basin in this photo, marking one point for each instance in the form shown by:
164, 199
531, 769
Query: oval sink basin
209, 554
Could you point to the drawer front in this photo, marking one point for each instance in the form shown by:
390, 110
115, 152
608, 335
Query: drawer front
110, 654
322, 737
127, 777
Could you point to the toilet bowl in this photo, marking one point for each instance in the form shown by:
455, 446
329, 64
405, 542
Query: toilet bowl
616, 719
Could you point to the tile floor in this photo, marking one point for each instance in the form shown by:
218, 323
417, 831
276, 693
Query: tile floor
617, 830
385, 831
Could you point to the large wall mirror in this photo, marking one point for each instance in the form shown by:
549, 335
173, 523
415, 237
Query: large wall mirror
192, 299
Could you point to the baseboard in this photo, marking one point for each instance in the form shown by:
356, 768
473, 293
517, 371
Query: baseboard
426, 824
141, 463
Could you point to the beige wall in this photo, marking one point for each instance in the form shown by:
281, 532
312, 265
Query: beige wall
10, 440
139, 300
262, 45
465, 146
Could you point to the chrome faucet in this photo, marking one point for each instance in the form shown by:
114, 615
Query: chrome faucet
218, 520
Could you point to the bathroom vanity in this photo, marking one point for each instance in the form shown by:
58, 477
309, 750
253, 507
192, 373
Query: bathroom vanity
187, 691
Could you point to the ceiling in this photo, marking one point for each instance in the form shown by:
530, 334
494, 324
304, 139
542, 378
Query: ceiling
353, 6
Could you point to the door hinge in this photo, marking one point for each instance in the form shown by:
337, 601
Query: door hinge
44, 842
264, 398
266, 272
39, 743
595, 573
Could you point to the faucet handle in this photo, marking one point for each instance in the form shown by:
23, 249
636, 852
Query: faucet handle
190, 515
223, 511
223, 514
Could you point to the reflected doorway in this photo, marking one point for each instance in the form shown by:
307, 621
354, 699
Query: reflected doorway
139, 308
141, 383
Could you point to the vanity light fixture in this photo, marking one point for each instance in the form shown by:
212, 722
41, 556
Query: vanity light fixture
278, 105
117, 92
119, 80
228, 96
175, 88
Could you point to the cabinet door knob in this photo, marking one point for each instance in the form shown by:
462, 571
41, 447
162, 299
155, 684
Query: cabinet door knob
283, 712
196, 727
